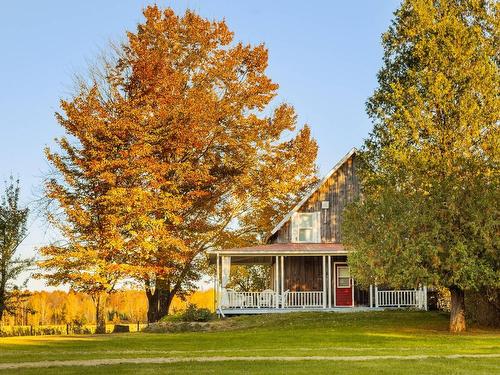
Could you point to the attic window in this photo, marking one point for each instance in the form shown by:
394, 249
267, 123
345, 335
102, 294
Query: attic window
306, 227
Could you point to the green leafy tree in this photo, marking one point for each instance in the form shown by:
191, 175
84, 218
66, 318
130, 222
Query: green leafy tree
429, 170
251, 278
13, 231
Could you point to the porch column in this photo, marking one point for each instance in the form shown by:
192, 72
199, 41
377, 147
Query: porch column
376, 296
352, 291
225, 273
425, 298
276, 282
371, 295
217, 284
329, 281
282, 281
324, 281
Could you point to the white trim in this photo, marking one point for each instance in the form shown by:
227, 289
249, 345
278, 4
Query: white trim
308, 195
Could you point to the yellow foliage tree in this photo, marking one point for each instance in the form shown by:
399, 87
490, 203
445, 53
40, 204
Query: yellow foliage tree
171, 151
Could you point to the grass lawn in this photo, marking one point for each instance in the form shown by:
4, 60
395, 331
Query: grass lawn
390, 333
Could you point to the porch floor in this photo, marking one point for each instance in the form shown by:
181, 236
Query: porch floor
273, 310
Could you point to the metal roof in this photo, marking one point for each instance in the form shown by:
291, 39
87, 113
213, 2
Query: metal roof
286, 249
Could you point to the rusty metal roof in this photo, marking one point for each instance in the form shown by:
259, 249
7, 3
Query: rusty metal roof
287, 249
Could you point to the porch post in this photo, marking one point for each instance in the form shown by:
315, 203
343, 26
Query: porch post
371, 295
352, 292
329, 281
282, 281
217, 291
276, 282
425, 297
376, 296
324, 281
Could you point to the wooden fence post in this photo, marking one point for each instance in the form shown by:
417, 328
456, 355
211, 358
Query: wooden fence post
376, 295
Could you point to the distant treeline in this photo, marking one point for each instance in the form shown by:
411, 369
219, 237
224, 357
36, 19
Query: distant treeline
60, 307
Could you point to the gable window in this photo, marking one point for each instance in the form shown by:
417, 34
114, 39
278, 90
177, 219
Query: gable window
306, 227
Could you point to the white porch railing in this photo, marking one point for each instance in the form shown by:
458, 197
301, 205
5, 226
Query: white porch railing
270, 299
303, 299
249, 299
401, 298
231, 299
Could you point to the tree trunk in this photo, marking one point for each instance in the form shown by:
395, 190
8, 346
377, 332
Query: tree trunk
165, 302
3, 296
152, 304
2, 306
100, 312
457, 313
164, 298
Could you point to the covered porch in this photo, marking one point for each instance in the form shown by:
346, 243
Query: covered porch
303, 277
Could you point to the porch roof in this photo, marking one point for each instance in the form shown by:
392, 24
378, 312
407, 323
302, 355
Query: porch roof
286, 249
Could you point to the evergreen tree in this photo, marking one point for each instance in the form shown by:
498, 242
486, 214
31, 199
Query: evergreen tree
13, 231
429, 212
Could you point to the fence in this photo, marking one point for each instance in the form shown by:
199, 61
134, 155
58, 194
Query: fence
249, 299
303, 299
267, 299
63, 329
402, 298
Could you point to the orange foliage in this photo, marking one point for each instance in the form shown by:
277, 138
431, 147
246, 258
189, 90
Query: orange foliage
124, 306
170, 149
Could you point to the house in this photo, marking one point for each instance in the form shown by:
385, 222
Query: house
309, 269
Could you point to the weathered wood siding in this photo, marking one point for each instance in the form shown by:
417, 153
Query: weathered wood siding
303, 273
340, 189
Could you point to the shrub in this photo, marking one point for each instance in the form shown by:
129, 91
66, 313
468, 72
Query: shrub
195, 314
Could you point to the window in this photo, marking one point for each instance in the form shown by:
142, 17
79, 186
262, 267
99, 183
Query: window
305, 227
343, 277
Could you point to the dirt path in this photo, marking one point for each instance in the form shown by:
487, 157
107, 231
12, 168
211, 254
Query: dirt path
117, 361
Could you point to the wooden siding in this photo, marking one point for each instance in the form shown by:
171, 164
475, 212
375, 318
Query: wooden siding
303, 273
339, 190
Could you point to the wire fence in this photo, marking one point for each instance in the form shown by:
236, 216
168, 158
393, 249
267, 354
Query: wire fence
67, 329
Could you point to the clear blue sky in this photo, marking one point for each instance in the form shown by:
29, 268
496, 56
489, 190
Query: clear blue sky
324, 55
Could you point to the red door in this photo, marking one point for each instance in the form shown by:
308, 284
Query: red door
343, 285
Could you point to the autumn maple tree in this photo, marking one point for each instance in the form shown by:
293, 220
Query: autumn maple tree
171, 150
429, 208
